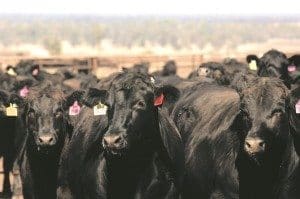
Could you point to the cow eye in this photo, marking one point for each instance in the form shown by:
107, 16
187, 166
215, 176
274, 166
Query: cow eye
277, 112
140, 104
31, 114
58, 114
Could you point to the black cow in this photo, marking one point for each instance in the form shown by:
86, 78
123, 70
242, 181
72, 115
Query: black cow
134, 151
294, 69
213, 70
47, 128
268, 164
169, 69
8, 148
139, 68
272, 64
204, 115
295, 116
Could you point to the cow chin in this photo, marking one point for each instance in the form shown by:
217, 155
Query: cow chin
115, 153
45, 150
256, 158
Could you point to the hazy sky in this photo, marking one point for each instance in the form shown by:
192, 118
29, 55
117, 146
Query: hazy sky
152, 7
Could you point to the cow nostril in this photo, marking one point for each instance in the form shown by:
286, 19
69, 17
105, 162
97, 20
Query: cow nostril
248, 145
51, 139
41, 140
112, 141
262, 144
105, 142
118, 140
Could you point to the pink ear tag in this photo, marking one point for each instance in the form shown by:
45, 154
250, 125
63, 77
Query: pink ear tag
292, 68
297, 107
74, 109
159, 100
24, 91
35, 72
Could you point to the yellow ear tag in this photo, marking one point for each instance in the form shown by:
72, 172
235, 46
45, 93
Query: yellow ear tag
100, 109
12, 110
11, 72
253, 65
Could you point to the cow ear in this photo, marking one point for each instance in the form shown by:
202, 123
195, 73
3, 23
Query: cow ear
4, 97
16, 99
166, 96
94, 96
249, 58
74, 96
295, 59
22, 83
172, 150
294, 116
11, 70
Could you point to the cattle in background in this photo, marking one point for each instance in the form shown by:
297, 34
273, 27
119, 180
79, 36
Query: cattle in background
131, 151
234, 67
204, 115
139, 68
295, 116
8, 148
268, 164
294, 69
46, 125
212, 70
272, 64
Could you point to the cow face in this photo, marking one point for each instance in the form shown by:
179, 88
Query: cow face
132, 115
46, 118
212, 70
264, 121
44, 121
273, 64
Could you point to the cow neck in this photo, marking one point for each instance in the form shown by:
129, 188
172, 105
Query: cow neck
37, 154
124, 174
288, 165
270, 178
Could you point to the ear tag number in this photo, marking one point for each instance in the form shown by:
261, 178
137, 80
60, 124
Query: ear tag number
253, 65
100, 109
24, 91
74, 109
12, 110
297, 107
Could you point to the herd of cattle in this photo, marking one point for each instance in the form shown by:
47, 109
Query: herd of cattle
229, 130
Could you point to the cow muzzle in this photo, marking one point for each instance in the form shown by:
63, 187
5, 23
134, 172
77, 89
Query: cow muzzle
114, 143
254, 146
46, 140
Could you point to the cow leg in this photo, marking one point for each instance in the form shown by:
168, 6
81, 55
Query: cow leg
17, 184
6, 183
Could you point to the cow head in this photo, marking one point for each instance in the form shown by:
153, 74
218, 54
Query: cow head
133, 104
264, 119
272, 64
46, 117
